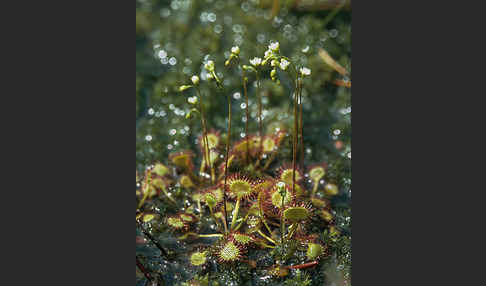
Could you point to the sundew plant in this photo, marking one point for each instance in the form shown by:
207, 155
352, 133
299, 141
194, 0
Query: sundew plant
243, 154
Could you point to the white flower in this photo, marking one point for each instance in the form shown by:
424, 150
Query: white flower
209, 66
284, 64
192, 99
274, 63
235, 50
195, 79
268, 53
305, 71
256, 61
209, 76
274, 46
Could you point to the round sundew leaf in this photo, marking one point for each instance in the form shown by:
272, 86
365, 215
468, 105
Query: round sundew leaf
186, 182
213, 140
210, 200
148, 217
296, 214
229, 252
241, 146
175, 222
240, 188
287, 176
181, 160
197, 197
229, 206
218, 194
266, 184
317, 173
160, 169
326, 215
298, 191
277, 199
158, 183
242, 238
198, 258
268, 145
331, 189
187, 218
150, 189
314, 250
319, 203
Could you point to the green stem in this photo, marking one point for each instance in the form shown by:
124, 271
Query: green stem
241, 223
314, 188
301, 127
266, 237
205, 135
247, 118
292, 229
269, 161
294, 144
235, 213
199, 207
266, 225
214, 217
147, 190
260, 119
228, 140
225, 225
266, 245
210, 235
164, 190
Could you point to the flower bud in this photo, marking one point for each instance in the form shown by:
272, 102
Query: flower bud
192, 99
305, 71
235, 50
184, 87
209, 66
195, 79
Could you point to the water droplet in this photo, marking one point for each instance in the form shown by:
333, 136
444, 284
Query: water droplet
243, 105
162, 54
236, 95
172, 61
333, 33
218, 29
212, 17
148, 137
172, 132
